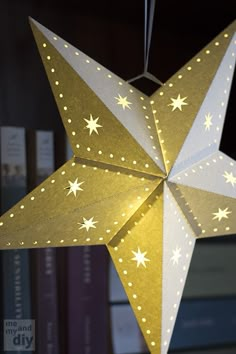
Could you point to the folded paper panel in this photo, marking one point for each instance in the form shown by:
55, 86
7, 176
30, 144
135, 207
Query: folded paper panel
101, 113
176, 105
213, 213
205, 134
137, 254
178, 245
78, 204
215, 173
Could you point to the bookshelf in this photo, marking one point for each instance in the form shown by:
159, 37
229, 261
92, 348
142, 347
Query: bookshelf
27, 102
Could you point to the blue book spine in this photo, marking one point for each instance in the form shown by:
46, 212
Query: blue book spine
205, 323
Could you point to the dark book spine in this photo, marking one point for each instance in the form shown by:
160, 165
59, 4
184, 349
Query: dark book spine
46, 301
88, 309
40, 147
63, 154
15, 275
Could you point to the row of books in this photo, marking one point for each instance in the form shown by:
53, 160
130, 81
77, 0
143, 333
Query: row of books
62, 290
74, 293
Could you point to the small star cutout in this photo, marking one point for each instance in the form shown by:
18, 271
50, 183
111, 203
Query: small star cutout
92, 124
229, 178
140, 258
178, 103
123, 102
176, 256
74, 187
208, 121
221, 214
87, 224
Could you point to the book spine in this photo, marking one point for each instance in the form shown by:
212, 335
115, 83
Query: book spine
88, 309
63, 154
44, 275
211, 271
15, 275
46, 301
203, 323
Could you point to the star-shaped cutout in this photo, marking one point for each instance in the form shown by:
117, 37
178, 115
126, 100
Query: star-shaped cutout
152, 177
208, 121
221, 214
140, 258
176, 255
123, 101
88, 224
92, 124
229, 178
178, 103
74, 187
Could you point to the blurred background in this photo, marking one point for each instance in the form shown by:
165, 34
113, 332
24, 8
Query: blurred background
111, 32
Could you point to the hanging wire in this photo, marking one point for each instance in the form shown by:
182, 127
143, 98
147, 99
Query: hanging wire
149, 11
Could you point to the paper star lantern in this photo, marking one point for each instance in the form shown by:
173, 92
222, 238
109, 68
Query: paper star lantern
147, 178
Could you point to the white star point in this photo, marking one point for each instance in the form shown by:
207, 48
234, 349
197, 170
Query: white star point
221, 214
178, 103
140, 258
123, 101
208, 121
92, 124
74, 187
176, 256
88, 223
229, 178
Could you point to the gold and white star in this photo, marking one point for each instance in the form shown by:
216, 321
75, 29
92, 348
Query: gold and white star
123, 102
178, 103
140, 258
74, 187
87, 224
208, 121
230, 178
221, 214
176, 256
92, 124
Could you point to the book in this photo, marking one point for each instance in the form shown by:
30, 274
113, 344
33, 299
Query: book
40, 165
223, 350
87, 298
13, 166
15, 271
117, 293
205, 323
40, 156
211, 272
45, 303
126, 335
63, 154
